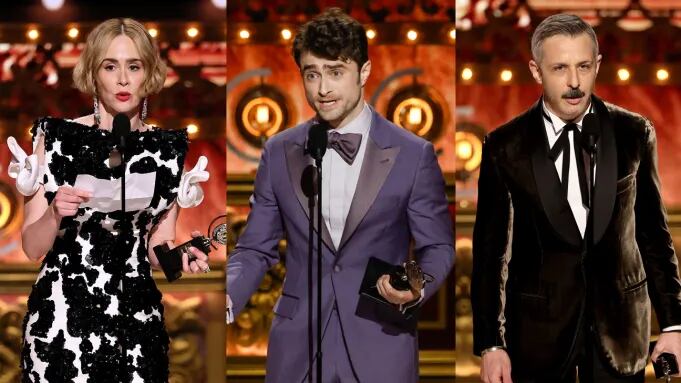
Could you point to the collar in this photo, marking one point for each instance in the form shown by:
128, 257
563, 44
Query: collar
556, 123
359, 124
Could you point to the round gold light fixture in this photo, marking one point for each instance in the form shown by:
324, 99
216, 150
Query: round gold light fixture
467, 149
418, 108
9, 210
261, 113
262, 116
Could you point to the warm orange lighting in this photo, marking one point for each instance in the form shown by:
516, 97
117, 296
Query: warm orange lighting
192, 129
464, 150
412, 35
506, 75
244, 34
73, 32
262, 114
415, 116
371, 34
662, 74
153, 32
467, 74
286, 34
192, 32
623, 74
33, 34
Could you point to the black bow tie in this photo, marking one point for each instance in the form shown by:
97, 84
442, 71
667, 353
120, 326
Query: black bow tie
345, 144
562, 145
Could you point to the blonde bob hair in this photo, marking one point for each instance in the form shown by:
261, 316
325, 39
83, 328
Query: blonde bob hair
98, 41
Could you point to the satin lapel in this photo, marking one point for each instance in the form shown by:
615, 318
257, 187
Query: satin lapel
547, 182
375, 169
297, 161
606, 172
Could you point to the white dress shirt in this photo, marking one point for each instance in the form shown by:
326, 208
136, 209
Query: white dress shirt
554, 127
339, 179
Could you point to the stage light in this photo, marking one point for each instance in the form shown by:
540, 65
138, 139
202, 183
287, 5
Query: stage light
222, 4
53, 5
73, 32
286, 34
261, 113
192, 128
467, 149
192, 32
464, 150
635, 20
506, 75
153, 32
262, 116
662, 74
466, 74
412, 35
623, 74
452, 34
33, 34
414, 114
371, 34
244, 34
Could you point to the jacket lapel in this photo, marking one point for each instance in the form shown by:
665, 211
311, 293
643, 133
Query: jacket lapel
606, 172
548, 185
379, 158
297, 161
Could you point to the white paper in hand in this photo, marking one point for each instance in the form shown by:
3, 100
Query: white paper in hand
106, 194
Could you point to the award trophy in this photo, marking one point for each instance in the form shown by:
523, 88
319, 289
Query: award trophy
171, 259
665, 366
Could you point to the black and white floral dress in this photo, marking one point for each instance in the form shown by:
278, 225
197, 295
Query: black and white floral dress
95, 314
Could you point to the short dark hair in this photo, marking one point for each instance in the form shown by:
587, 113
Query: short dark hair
333, 35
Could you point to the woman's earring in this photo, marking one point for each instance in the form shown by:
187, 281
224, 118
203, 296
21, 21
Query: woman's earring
144, 110
97, 119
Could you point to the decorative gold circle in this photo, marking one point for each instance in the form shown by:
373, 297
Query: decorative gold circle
252, 126
5, 210
473, 161
401, 112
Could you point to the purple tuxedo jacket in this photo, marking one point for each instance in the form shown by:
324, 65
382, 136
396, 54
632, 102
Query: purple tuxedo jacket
400, 195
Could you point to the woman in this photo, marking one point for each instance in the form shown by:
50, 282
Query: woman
94, 313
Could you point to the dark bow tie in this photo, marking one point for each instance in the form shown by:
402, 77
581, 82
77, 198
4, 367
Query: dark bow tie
562, 145
345, 144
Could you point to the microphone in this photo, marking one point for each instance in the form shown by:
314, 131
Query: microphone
120, 130
591, 132
317, 139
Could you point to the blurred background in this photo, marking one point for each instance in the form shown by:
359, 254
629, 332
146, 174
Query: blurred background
411, 46
40, 42
640, 41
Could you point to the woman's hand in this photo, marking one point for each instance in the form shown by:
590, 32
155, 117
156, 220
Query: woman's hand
68, 200
197, 265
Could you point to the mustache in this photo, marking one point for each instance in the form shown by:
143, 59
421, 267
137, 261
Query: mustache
573, 93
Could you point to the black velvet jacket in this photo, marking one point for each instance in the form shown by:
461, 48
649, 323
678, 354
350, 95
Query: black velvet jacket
532, 283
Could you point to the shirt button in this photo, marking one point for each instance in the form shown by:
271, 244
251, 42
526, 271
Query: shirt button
337, 268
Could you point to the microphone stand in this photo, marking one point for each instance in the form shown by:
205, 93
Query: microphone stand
318, 164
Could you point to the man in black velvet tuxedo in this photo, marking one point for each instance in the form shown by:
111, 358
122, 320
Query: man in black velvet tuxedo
544, 308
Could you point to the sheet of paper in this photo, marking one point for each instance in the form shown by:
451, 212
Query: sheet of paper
139, 191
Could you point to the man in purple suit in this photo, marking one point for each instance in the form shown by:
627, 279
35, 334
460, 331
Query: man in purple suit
382, 187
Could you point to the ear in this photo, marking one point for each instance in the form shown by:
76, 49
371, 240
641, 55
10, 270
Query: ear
598, 62
536, 71
364, 73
